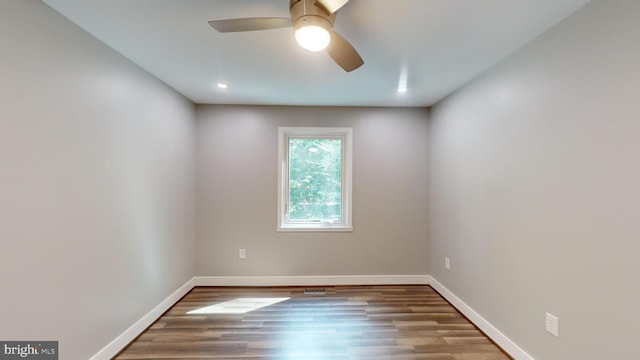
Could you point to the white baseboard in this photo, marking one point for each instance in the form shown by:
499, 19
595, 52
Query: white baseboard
311, 280
491, 331
119, 343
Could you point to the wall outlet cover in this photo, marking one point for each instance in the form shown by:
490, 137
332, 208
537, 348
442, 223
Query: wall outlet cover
552, 325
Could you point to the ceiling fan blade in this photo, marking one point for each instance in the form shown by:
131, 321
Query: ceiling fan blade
332, 5
250, 24
343, 53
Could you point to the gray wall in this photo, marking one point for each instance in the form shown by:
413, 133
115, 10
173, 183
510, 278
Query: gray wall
236, 156
534, 188
96, 185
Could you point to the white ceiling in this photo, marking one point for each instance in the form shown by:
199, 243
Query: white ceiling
437, 45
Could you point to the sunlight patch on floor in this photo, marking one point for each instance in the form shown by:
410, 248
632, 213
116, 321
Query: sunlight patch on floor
238, 306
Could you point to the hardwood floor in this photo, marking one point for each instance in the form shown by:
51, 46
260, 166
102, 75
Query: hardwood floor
349, 322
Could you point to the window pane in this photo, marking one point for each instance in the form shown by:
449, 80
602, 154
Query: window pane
315, 178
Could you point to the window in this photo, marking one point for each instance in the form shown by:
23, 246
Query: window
314, 179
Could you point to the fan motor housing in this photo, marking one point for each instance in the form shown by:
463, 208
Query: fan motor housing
307, 10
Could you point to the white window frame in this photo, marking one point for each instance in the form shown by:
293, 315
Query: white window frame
284, 133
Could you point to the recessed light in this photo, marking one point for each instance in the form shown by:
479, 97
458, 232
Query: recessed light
222, 86
403, 79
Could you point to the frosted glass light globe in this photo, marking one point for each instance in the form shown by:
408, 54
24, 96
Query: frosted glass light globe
313, 38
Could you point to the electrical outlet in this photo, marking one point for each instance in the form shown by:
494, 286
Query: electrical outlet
242, 253
553, 325
447, 263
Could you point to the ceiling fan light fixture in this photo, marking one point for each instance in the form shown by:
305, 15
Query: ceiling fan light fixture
313, 33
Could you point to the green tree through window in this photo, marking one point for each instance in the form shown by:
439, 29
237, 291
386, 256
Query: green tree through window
315, 179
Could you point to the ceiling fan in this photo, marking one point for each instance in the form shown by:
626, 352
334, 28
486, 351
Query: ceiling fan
312, 21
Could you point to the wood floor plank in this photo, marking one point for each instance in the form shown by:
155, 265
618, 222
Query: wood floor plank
347, 323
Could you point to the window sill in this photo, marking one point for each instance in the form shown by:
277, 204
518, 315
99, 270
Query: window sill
314, 228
